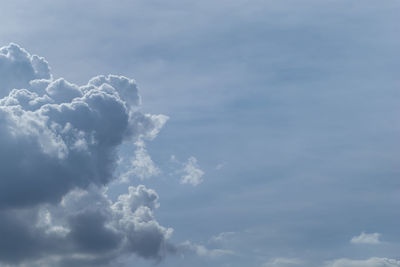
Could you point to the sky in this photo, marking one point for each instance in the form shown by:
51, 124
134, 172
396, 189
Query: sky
200, 133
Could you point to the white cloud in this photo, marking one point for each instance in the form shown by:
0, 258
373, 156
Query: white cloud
222, 237
19, 68
372, 262
192, 173
283, 262
202, 251
364, 238
142, 165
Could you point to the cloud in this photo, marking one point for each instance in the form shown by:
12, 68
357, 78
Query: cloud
202, 251
59, 149
222, 237
95, 228
86, 227
141, 165
363, 238
220, 166
74, 140
372, 262
192, 173
282, 262
19, 68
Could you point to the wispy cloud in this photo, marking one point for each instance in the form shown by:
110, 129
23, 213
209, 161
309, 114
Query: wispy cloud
202, 251
371, 262
192, 174
283, 262
141, 165
222, 237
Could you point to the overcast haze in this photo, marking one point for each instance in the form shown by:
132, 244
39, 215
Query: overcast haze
200, 133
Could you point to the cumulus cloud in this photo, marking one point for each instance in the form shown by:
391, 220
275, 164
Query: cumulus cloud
192, 174
88, 227
19, 68
364, 238
64, 136
372, 262
59, 149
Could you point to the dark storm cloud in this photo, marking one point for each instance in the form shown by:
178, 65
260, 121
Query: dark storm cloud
59, 148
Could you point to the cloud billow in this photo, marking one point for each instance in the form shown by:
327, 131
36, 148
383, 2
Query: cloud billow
59, 147
18, 68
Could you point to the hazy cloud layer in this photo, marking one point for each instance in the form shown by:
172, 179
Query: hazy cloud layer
59, 148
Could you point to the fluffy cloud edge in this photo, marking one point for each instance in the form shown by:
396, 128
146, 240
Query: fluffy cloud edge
365, 238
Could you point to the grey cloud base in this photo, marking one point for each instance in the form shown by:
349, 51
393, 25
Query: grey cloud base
59, 148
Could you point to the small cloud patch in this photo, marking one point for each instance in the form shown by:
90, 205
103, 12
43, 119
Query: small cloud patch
192, 173
364, 238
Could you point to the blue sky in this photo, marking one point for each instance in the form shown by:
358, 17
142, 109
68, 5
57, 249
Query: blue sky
289, 110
